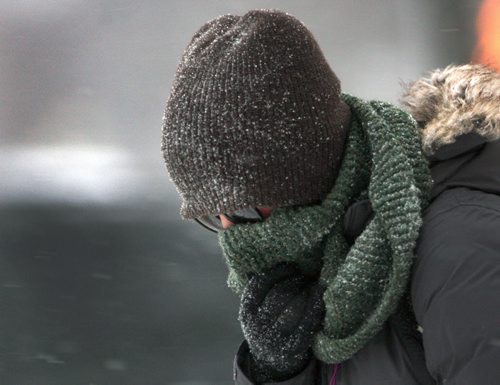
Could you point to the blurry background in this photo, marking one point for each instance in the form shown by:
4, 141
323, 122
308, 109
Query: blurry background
101, 283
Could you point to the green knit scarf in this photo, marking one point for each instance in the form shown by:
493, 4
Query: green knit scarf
366, 281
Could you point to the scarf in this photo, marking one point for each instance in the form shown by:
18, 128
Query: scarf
364, 282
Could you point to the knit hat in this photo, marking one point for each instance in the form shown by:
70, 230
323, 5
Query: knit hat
254, 117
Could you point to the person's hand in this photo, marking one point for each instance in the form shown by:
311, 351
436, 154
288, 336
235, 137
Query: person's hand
280, 312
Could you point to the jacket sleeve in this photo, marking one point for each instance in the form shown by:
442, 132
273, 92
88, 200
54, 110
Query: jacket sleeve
456, 291
241, 374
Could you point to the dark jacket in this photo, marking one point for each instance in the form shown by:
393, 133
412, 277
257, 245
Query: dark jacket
456, 279
455, 286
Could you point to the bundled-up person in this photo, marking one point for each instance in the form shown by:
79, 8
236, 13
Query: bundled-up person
317, 198
456, 277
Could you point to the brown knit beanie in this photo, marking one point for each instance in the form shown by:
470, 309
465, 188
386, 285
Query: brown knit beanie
254, 116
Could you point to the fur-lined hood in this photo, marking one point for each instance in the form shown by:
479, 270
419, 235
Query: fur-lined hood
454, 101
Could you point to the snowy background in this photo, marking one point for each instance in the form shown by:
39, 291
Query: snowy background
101, 282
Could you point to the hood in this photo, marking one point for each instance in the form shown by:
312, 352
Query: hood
458, 112
468, 162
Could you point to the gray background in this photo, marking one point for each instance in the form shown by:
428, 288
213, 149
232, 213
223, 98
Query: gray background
100, 280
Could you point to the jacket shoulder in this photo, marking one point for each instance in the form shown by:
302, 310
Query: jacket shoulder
457, 221
462, 199
455, 286
460, 237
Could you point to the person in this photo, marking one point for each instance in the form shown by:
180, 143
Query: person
317, 199
456, 277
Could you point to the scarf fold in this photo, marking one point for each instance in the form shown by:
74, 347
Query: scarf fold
366, 281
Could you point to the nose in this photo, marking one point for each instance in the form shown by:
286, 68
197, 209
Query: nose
226, 223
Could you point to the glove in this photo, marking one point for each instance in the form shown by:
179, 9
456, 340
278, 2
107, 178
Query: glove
280, 312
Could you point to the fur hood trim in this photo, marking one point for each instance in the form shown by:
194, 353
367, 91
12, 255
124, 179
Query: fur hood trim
454, 101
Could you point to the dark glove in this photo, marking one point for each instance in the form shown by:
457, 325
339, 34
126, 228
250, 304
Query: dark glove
280, 312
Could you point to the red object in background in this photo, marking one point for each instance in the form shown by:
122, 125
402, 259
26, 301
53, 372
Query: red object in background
487, 50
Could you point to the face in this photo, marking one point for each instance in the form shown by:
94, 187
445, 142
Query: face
226, 223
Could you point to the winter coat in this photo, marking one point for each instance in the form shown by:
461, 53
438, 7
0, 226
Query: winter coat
456, 279
455, 285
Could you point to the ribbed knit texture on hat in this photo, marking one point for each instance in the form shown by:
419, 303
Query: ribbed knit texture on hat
254, 117
365, 282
